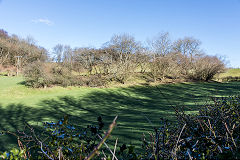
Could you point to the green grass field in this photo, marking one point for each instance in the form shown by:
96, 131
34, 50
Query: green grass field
19, 104
231, 72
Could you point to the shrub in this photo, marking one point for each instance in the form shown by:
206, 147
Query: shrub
160, 68
230, 79
206, 67
37, 75
59, 139
95, 81
62, 76
178, 66
213, 133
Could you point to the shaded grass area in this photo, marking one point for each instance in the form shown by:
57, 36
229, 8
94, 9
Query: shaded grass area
84, 105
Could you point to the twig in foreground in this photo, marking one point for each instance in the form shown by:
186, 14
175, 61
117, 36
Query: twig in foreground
108, 148
115, 147
107, 134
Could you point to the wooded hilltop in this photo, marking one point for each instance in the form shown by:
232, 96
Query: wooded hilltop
117, 60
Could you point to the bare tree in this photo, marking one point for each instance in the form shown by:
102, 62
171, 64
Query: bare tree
160, 47
161, 44
187, 46
13, 46
86, 58
3, 33
67, 57
123, 49
206, 67
143, 60
58, 53
4, 51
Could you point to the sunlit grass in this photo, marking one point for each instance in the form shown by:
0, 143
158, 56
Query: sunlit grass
133, 104
231, 72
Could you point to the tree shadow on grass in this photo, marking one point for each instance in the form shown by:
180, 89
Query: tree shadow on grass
13, 118
135, 106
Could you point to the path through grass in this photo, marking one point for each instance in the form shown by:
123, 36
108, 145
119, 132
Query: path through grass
132, 104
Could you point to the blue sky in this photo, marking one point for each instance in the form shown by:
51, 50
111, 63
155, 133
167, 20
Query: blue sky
83, 23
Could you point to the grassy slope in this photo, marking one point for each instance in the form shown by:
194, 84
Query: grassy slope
132, 104
231, 72
12, 91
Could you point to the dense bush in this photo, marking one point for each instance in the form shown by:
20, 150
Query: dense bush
213, 133
230, 79
94, 80
206, 67
177, 66
60, 139
39, 75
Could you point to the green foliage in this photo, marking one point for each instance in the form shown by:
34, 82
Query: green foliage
213, 133
59, 139
14, 154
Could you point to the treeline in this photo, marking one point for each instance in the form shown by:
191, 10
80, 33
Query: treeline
13, 47
117, 60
